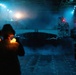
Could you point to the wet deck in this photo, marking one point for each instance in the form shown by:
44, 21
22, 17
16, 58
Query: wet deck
48, 62
47, 65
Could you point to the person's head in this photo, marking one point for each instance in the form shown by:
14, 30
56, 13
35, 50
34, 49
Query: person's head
7, 30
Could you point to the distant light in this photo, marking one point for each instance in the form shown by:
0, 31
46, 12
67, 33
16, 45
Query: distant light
2, 5
63, 20
11, 20
10, 11
7, 9
71, 0
74, 7
72, 12
18, 15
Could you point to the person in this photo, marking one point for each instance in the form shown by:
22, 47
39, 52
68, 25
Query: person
0, 36
73, 33
9, 51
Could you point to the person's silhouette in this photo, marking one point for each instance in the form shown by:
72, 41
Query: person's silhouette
0, 35
9, 51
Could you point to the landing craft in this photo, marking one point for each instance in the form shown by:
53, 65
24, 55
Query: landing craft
37, 38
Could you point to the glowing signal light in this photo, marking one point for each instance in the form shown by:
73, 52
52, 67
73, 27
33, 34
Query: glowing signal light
63, 20
13, 40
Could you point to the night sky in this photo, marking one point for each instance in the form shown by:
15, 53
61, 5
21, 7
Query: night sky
41, 14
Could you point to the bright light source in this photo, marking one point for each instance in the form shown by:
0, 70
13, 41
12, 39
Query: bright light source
18, 15
72, 12
63, 20
11, 20
2, 5
10, 11
13, 40
7, 9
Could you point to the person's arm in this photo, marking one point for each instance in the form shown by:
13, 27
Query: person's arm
21, 51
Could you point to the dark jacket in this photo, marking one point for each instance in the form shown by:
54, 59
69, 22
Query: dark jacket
9, 63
